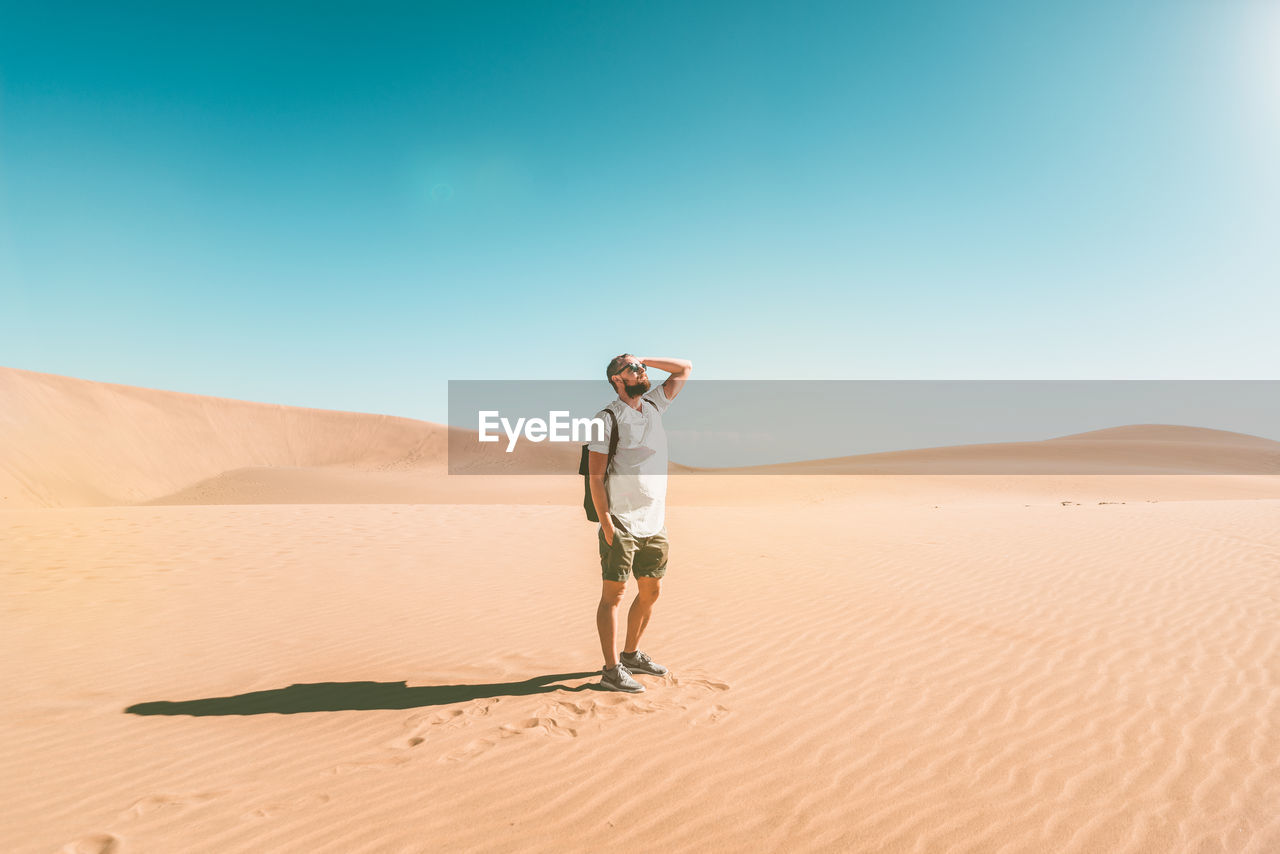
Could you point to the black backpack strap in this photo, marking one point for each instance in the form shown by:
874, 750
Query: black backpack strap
583, 468
613, 439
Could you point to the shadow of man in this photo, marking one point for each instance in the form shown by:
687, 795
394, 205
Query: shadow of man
355, 696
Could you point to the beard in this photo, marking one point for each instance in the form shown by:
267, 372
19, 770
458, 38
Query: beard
636, 389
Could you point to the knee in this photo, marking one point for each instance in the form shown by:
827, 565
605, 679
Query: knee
611, 600
649, 592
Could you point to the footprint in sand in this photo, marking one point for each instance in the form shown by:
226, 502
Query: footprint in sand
543, 725
98, 843
367, 765
567, 718
419, 727
470, 750
606, 707
711, 716
537, 726
301, 802
697, 682
671, 694
153, 803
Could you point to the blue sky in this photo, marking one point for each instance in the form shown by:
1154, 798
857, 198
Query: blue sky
346, 205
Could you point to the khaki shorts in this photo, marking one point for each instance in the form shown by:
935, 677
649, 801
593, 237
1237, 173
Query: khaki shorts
645, 557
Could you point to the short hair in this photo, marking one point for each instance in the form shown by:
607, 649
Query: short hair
615, 367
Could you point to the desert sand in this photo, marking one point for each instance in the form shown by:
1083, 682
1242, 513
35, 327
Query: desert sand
239, 627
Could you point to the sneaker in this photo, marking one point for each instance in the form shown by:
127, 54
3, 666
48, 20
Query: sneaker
641, 663
619, 679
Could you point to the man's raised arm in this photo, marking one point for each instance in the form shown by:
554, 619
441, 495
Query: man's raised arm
680, 370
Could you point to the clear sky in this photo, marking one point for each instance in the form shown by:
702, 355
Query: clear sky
344, 205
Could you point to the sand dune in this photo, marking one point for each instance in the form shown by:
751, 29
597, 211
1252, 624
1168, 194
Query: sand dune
1131, 449
323, 643
1174, 433
73, 442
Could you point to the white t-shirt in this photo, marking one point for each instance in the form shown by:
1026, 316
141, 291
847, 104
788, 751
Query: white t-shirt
637, 476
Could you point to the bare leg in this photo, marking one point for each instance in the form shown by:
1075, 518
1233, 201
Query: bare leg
607, 619
641, 608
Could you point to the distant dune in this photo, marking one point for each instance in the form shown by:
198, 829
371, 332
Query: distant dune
71, 442
1133, 449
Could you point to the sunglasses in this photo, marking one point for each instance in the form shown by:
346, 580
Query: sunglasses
632, 366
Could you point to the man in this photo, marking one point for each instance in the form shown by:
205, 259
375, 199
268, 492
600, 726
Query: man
631, 506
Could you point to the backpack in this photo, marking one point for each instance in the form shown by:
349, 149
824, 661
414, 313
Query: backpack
585, 470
